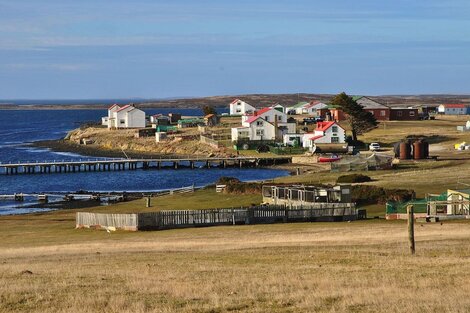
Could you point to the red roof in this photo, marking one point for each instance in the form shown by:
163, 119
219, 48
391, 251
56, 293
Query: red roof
113, 106
123, 108
322, 126
316, 137
454, 105
234, 101
254, 118
262, 111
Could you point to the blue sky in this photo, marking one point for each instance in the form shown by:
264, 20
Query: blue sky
151, 49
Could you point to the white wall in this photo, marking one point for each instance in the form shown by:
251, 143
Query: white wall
135, 119
241, 107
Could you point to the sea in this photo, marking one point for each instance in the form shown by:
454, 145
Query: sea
18, 128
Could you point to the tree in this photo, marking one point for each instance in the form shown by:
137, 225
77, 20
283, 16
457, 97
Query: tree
207, 109
360, 121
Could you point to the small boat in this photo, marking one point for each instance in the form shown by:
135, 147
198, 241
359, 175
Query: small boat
325, 159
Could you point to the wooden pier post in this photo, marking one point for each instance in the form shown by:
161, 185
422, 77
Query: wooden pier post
411, 228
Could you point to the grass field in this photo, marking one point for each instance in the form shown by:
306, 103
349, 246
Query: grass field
318, 267
48, 266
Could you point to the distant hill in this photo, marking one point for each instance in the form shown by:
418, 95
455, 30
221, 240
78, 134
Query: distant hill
257, 100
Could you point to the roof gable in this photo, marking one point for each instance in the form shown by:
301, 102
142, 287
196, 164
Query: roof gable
254, 118
113, 106
323, 126
124, 108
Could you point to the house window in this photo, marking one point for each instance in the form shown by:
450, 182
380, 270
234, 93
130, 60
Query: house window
412, 113
259, 123
279, 118
239, 110
122, 122
382, 113
334, 129
334, 139
399, 113
260, 132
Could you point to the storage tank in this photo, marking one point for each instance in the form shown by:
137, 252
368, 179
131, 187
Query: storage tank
425, 149
405, 151
418, 150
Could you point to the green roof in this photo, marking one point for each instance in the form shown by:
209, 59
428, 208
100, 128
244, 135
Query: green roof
355, 98
299, 104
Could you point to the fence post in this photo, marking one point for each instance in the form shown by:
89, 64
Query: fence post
411, 228
148, 202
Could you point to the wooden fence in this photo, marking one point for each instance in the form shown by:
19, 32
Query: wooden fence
212, 217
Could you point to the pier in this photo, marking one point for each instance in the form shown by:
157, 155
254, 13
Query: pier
104, 165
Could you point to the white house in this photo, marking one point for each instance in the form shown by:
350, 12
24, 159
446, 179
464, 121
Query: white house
292, 139
256, 128
239, 107
269, 114
306, 107
159, 119
127, 116
312, 107
326, 132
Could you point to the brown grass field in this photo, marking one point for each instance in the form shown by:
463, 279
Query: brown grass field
48, 266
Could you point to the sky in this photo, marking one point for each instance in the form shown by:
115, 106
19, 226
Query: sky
90, 49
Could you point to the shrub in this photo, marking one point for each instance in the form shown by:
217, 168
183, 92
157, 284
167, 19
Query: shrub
364, 194
225, 180
353, 178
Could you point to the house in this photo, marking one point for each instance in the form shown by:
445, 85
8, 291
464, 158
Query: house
458, 202
296, 108
268, 114
279, 107
159, 119
211, 120
312, 107
256, 128
190, 122
127, 116
239, 107
453, 109
381, 112
304, 195
404, 114
306, 107
334, 113
174, 117
326, 132
293, 139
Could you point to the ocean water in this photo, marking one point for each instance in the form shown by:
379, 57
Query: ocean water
17, 128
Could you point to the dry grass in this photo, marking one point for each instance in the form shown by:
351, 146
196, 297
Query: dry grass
340, 267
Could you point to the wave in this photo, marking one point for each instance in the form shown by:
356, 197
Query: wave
69, 154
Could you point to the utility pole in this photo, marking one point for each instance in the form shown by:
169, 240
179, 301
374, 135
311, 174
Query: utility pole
411, 228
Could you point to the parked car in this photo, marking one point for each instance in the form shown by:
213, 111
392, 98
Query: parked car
319, 119
309, 120
374, 146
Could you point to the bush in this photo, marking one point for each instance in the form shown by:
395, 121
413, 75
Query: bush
353, 178
225, 180
364, 194
235, 186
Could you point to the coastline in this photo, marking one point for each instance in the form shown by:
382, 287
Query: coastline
62, 145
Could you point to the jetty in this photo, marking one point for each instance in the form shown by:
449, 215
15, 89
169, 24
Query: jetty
122, 164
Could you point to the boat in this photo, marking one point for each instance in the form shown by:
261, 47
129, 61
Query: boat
328, 159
